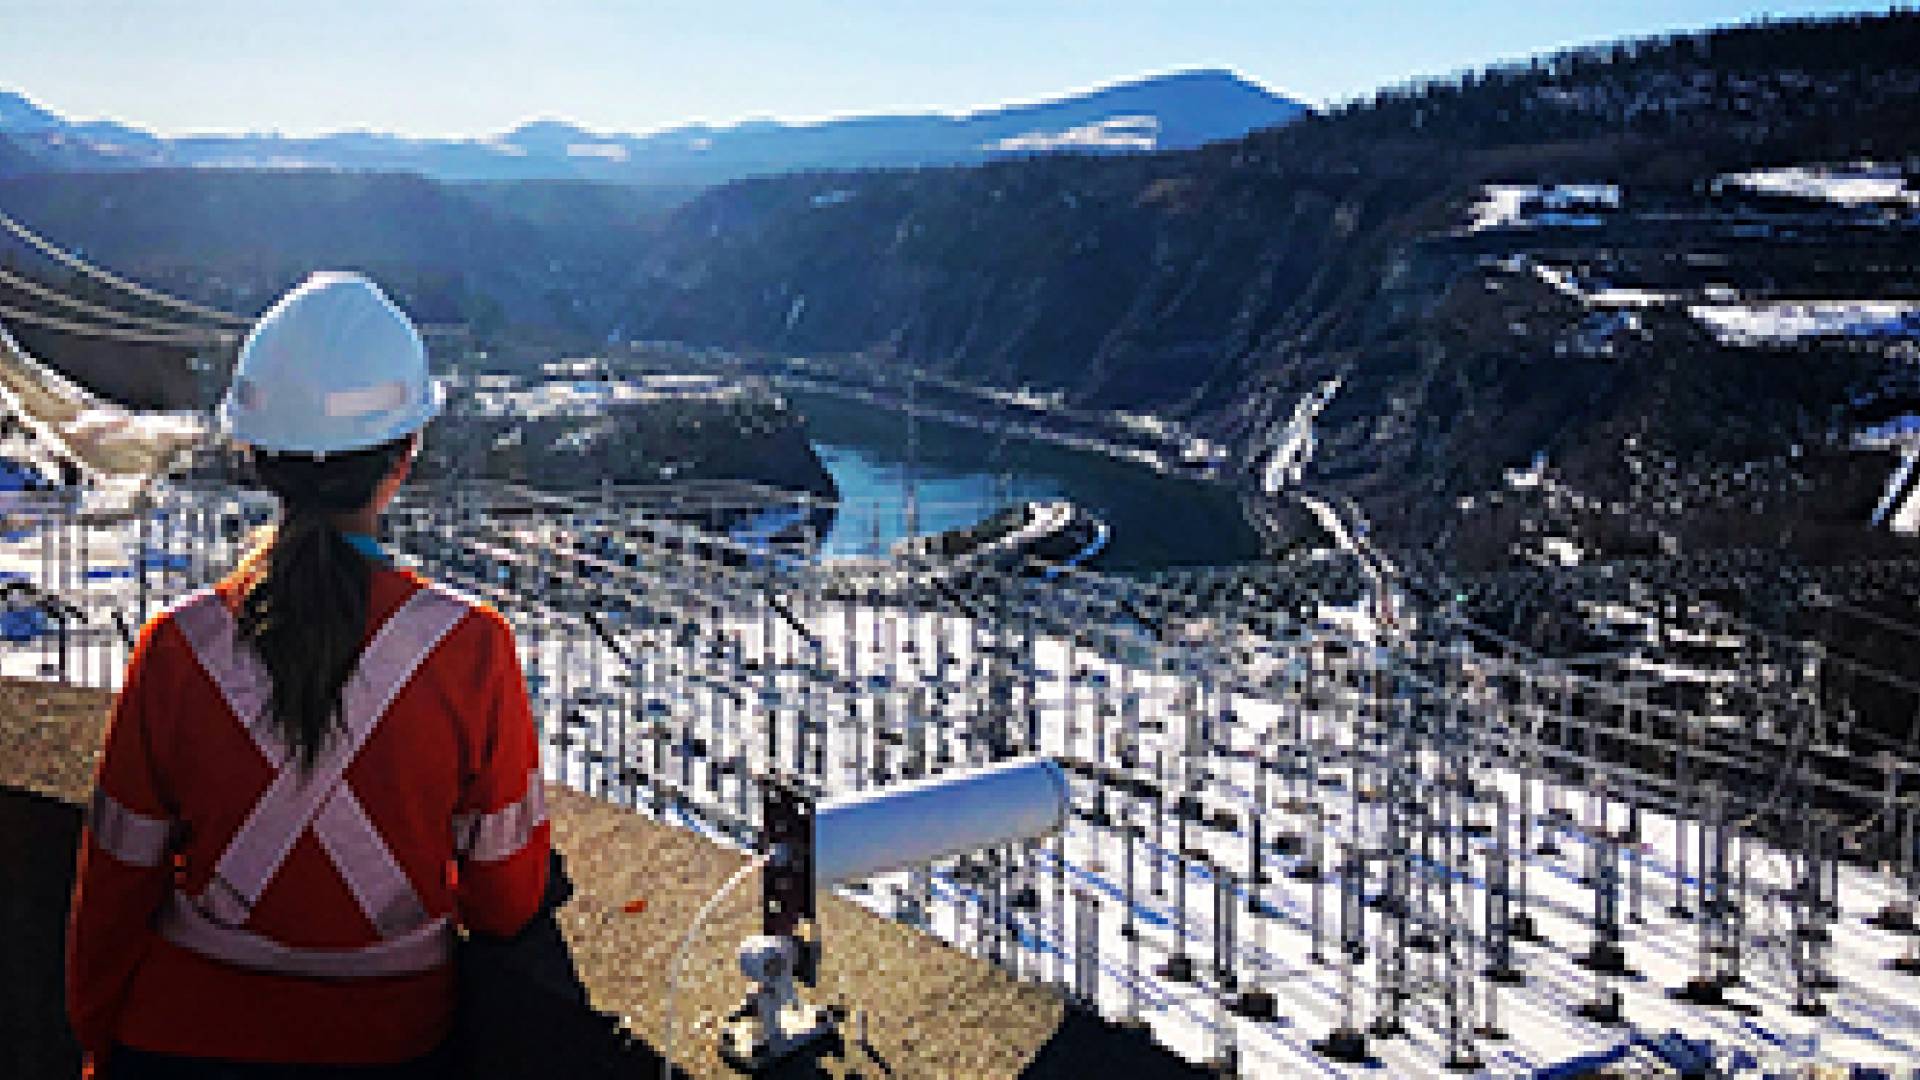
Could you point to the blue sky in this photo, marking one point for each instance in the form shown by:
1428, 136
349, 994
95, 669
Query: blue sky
469, 67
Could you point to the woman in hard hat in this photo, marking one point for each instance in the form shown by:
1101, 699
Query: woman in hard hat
318, 768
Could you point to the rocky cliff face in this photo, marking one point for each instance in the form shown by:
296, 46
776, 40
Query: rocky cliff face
1377, 245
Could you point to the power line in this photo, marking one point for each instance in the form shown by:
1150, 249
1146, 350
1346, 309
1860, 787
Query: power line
114, 333
74, 303
66, 258
1885, 622
154, 296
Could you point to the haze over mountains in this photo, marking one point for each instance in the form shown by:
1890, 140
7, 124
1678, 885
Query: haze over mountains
1164, 112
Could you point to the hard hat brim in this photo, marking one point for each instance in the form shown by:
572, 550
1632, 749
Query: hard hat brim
232, 420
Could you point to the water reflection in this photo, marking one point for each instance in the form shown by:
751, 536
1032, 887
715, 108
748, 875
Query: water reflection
961, 475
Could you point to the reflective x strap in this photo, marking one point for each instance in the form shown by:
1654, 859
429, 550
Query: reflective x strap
317, 797
497, 836
134, 839
367, 865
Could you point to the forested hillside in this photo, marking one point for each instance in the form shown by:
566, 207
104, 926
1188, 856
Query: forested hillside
1223, 284
536, 253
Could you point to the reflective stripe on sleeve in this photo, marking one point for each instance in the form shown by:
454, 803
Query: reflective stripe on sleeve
503, 833
134, 839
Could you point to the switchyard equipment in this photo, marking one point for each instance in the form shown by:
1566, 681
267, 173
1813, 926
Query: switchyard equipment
1299, 841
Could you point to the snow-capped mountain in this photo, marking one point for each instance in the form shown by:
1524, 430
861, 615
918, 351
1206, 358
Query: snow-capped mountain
1164, 112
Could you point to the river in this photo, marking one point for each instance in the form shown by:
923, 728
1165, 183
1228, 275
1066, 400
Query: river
961, 475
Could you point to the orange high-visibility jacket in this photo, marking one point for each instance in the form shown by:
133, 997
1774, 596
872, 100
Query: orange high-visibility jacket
226, 908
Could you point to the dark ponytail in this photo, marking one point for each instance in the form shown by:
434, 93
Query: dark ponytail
305, 611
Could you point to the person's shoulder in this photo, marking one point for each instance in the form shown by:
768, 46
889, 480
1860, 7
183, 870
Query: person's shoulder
179, 630
482, 623
185, 612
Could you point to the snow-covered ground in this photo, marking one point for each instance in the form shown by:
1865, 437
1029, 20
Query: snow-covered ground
598, 396
1566, 283
1899, 505
1843, 185
1788, 321
1506, 206
1113, 133
1294, 444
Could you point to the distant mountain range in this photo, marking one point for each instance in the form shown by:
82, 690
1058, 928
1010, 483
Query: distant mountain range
1165, 112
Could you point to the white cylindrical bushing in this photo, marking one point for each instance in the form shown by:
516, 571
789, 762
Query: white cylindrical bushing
765, 958
877, 832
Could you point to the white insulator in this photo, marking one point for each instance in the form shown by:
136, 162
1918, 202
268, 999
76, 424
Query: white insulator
766, 958
894, 828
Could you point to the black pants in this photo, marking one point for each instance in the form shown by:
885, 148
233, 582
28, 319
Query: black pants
126, 1063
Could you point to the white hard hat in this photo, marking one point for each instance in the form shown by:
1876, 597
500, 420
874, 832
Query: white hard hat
332, 366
